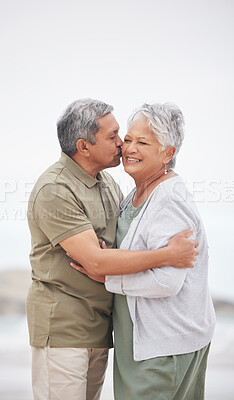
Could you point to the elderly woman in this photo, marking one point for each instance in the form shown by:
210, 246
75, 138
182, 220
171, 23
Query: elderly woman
163, 318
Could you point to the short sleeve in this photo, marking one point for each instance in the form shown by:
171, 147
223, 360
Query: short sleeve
58, 214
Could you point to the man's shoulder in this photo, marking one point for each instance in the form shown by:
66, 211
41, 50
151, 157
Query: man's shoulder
53, 175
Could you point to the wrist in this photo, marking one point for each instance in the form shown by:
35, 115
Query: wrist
167, 256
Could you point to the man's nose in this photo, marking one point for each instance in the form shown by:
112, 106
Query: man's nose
118, 141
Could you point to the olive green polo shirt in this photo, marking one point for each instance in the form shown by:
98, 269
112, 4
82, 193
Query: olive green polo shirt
63, 305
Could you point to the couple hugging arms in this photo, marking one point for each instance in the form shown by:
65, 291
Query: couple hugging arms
162, 312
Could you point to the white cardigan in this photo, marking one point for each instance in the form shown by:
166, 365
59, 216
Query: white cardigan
171, 309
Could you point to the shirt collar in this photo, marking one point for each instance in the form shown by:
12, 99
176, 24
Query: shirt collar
80, 173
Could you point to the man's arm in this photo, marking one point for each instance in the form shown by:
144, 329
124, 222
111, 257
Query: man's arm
84, 248
156, 282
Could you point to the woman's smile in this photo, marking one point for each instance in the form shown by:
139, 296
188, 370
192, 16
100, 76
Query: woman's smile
132, 160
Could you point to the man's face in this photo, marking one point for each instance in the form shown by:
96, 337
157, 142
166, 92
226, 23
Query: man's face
106, 152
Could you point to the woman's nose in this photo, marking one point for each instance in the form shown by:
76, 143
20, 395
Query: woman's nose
131, 147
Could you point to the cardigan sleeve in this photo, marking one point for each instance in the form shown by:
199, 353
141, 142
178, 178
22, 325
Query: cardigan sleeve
157, 282
113, 283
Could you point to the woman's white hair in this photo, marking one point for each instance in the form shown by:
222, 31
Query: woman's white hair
166, 121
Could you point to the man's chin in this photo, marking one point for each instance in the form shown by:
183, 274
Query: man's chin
115, 163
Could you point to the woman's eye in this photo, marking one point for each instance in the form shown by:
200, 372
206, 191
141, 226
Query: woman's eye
126, 140
142, 143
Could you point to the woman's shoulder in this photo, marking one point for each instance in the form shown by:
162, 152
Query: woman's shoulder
174, 196
170, 190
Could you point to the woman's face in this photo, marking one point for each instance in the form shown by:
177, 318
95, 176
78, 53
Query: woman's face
141, 153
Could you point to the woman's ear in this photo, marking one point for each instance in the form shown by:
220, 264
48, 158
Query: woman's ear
169, 153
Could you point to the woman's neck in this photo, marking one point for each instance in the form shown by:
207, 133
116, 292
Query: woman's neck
144, 188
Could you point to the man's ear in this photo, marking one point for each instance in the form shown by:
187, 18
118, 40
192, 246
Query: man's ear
169, 153
83, 147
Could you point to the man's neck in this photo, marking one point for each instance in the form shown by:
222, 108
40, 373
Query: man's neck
90, 169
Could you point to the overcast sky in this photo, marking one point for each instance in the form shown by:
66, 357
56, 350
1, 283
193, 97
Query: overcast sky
124, 52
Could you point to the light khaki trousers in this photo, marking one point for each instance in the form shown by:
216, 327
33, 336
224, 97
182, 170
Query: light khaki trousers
68, 373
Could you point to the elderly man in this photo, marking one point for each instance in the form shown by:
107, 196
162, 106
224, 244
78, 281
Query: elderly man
73, 208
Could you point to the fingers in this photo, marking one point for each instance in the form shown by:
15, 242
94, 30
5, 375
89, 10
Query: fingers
73, 265
103, 245
196, 253
187, 233
191, 262
195, 243
78, 268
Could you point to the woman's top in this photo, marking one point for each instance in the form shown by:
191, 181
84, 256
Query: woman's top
127, 216
171, 376
178, 299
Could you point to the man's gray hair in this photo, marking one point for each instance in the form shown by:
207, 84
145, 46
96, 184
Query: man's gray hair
166, 121
79, 121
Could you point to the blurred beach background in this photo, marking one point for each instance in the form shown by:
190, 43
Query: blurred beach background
125, 53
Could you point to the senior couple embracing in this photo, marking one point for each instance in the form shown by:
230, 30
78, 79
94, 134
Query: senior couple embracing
149, 250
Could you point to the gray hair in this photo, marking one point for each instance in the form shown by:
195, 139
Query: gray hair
79, 121
166, 121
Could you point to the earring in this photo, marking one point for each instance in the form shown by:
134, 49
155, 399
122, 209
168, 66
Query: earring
165, 169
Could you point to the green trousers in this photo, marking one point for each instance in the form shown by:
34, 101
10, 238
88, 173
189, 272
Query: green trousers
177, 377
